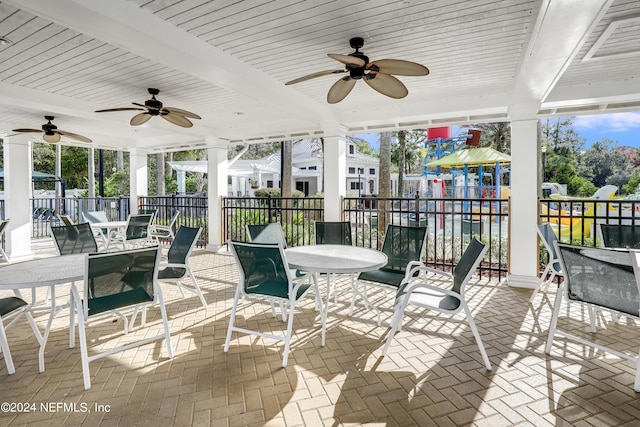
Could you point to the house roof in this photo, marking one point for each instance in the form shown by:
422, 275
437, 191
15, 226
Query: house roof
229, 62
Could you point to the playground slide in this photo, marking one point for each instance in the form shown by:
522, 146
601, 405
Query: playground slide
573, 228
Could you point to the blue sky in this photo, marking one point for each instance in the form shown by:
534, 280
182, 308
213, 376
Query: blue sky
621, 127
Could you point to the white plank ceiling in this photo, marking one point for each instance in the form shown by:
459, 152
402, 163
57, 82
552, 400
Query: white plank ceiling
228, 60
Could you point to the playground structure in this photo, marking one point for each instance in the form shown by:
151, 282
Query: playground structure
570, 227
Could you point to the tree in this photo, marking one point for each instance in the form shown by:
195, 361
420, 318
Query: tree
384, 189
496, 135
160, 180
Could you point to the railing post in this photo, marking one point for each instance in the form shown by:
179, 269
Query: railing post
269, 202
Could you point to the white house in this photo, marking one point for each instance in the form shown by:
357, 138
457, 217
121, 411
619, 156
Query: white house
362, 172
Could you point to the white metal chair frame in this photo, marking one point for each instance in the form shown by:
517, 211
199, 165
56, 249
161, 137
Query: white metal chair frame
552, 269
563, 294
82, 311
159, 231
294, 286
424, 295
16, 307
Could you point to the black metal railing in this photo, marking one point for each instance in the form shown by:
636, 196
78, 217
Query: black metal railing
576, 221
450, 223
194, 211
297, 216
45, 211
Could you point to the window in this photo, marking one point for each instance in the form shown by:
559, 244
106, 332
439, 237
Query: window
303, 168
312, 168
352, 170
361, 171
352, 149
356, 185
269, 184
372, 171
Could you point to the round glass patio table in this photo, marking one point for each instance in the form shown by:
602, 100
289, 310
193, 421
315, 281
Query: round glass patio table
333, 259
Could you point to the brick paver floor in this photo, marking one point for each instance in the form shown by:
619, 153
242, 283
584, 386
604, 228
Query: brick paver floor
432, 375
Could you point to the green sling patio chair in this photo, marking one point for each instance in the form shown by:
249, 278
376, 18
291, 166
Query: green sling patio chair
266, 233
3, 228
177, 267
98, 216
333, 233
66, 219
620, 235
265, 275
12, 307
438, 298
161, 231
272, 233
73, 239
552, 269
136, 232
598, 278
115, 282
403, 247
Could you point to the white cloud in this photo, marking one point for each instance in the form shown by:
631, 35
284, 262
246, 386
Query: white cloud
619, 122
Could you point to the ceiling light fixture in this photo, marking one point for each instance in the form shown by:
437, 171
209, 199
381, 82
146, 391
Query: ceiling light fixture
5, 41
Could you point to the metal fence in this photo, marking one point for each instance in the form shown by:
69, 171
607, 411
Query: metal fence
451, 223
45, 211
194, 212
576, 221
297, 216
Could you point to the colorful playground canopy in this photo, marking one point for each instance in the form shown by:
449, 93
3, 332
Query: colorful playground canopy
472, 157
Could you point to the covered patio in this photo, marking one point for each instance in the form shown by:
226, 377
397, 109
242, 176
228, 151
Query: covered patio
432, 374
229, 62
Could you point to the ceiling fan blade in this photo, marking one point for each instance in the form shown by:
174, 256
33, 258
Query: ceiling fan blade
27, 130
182, 112
314, 75
386, 85
340, 90
399, 67
347, 59
139, 119
118, 109
177, 119
74, 136
55, 137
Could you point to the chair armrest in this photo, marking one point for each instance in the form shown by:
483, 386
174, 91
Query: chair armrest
159, 228
419, 268
416, 286
175, 265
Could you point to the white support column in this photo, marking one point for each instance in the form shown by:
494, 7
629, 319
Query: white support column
523, 214
18, 190
137, 177
217, 171
335, 175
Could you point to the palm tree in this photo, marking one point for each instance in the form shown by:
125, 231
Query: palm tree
384, 189
496, 136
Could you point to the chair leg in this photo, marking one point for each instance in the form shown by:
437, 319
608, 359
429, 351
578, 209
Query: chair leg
554, 320
287, 338
232, 317
197, 289
474, 329
84, 355
542, 283
4, 345
165, 323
